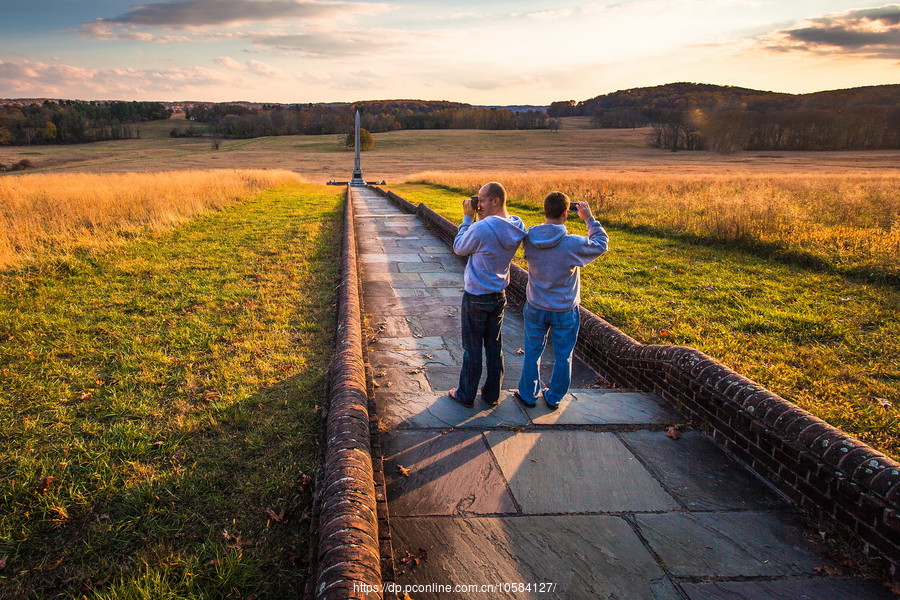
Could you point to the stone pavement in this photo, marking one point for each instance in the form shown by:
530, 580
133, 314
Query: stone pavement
590, 501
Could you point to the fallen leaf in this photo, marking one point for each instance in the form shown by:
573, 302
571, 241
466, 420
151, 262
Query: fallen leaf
54, 565
3, 560
679, 270
403, 471
389, 383
665, 332
381, 374
829, 570
520, 351
415, 371
61, 511
884, 402
413, 559
304, 481
208, 395
376, 384
44, 483
428, 356
672, 432
277, 517
417, 335
85, 396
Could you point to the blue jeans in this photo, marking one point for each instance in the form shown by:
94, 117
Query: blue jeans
563, 328
482, 317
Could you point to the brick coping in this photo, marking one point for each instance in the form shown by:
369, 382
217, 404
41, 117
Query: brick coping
345, 541
828, 473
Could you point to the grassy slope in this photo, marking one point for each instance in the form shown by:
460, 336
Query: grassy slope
825, 343
171, 388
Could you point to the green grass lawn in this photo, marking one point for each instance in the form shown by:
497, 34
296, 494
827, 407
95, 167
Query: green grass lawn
824, 342
160, 407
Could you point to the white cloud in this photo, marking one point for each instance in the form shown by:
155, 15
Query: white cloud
30, 77
252, 66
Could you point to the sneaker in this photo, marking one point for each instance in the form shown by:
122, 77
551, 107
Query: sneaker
453, 396
550, 405
519, 397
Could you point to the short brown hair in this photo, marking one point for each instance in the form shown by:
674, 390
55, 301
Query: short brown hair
555, 205
496, 190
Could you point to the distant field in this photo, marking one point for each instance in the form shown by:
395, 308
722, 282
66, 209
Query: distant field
398, 154
823, 341
160, 406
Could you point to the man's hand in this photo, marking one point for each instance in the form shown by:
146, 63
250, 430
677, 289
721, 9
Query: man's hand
468, 211
584, 211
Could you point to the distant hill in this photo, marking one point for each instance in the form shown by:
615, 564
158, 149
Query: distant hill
689, 96
697, 116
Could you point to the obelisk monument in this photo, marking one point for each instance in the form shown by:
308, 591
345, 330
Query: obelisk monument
357, 178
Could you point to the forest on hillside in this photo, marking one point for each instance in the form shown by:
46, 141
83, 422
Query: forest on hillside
75, 121
689, 116
242, 121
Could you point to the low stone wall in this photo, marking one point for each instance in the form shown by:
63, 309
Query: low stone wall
347, 555
831, 475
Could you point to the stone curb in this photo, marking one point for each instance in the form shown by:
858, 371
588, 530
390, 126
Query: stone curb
830, 474
347, 554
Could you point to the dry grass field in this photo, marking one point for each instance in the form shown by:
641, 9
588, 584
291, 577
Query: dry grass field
848, 222
398, 154
43, 214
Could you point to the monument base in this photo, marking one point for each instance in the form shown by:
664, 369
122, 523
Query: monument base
357, 180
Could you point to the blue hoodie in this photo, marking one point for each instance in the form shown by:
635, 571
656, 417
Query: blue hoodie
555, 259
490, 244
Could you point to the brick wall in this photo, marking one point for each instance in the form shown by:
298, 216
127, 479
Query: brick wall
829, 474
346, 541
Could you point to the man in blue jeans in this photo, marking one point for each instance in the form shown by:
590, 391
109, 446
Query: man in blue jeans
555, 258
490, 244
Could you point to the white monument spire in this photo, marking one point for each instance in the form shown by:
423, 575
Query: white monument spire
357, 178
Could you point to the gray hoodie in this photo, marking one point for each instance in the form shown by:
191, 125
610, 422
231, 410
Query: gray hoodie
555, 259
490, 244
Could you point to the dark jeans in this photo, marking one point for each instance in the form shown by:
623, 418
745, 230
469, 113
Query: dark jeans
482, 316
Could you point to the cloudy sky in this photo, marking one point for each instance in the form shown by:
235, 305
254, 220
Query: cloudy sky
497, 52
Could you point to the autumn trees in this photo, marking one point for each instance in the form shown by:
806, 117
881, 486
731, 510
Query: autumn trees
72, 121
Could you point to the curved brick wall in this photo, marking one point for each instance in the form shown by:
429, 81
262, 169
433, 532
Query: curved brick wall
347, 548
828, 473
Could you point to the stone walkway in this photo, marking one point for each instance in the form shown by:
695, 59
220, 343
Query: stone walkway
590, 501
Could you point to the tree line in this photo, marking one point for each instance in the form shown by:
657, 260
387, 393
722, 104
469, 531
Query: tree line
75, 121
686, 116
241, 121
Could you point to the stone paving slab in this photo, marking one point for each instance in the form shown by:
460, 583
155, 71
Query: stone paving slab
450, 473
699, 473
606, 407
423, 344
789, 589
380, 359
438, 410
582, 556
402, 380
575, 472
730, 544
443, 280
420, 267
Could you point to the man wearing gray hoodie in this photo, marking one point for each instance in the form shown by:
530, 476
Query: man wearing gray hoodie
490, 244
555, 258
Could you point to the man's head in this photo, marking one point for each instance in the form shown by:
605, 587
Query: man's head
556, 204
491, 199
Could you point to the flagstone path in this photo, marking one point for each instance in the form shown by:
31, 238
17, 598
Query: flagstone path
590, 501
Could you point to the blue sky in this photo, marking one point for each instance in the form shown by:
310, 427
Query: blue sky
501, 52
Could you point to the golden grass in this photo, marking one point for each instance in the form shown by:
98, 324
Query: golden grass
56, 214
849, 221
